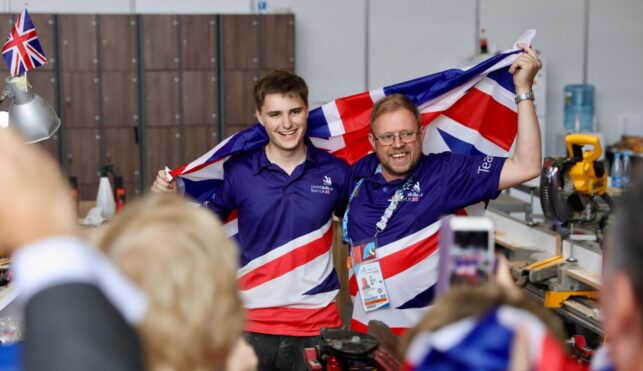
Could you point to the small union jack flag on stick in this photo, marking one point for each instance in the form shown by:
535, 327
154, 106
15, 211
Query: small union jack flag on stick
23, 51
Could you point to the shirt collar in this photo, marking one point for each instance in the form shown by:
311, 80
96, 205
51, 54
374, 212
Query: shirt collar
369, 169
260, 160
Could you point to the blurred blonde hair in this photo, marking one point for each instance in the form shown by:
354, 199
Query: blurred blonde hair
179, 255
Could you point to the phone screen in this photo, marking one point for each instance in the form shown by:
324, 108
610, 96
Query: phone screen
470, 263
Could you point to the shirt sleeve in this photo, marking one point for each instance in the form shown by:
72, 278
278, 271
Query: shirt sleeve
222, 201
467, 180
342, 202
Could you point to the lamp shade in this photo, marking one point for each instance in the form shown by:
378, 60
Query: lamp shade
29, 113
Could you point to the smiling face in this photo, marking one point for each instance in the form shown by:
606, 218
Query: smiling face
284, 118
399, 158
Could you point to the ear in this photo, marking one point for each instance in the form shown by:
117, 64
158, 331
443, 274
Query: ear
422, 132
371, 139
258, 115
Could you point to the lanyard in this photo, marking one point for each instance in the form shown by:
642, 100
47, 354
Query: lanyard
392, 206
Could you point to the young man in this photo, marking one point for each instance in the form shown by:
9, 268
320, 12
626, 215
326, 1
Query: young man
285, 195
398, 195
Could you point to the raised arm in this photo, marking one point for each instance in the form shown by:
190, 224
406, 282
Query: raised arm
525, 164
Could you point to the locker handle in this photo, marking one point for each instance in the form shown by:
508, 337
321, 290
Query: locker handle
136, 134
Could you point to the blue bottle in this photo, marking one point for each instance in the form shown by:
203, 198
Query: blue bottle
579, 108
616, 173
627, 166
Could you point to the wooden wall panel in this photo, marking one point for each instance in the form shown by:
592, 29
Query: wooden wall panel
162, 150
45, 26
78, 42
161, 98
120, 98
159, 42
277, 42
199, 40
82, 158
198, 140
199, 97
118, 42
80, 99
122, 150
239, 104
240, 41
6, 23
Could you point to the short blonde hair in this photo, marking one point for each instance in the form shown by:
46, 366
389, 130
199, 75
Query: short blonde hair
179, 255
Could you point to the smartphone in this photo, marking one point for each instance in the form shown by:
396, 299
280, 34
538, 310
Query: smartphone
466, 252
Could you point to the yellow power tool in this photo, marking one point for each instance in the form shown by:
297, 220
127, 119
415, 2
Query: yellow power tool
569, 185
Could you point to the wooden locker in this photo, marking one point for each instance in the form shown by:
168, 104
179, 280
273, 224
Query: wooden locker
80, 99
199, 97
239, 102
120, 98
198, 140
161, 98
277, 42
45, 27
6, 24
199, 42
162, 149
78, 42
118, 42
82, 158
122, 150
160, 51
240, 42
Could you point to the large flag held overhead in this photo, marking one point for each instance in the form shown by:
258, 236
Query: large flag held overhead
23, 51
468, 111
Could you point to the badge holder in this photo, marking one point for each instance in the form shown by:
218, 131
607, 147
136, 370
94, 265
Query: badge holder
368, 274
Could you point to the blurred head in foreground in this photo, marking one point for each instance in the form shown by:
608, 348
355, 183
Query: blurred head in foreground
179, 255
485, 328
622, 281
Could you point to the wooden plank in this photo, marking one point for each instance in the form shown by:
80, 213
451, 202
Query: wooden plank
159, 42
199, 42
161, 98
80, 99
277, 41
240, 42
78, 38
82, 158
120, 98
239, 103
592, 279
200, 98
118, 42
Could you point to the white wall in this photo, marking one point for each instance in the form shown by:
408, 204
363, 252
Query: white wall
411, 38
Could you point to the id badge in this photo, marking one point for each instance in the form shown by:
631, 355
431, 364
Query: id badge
363, 251
371, 286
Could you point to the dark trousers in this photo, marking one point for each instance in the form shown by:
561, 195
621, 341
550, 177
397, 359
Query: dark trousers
280, 352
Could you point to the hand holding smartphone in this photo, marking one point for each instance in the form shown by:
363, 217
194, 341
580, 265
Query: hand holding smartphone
466, 252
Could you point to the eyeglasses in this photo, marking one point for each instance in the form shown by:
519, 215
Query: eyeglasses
389, 138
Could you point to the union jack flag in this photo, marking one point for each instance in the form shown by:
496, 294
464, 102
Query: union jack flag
23, 51
468, 111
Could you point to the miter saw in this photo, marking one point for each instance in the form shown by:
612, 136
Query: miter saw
570, 186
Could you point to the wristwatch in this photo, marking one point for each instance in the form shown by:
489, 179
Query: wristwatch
524, 96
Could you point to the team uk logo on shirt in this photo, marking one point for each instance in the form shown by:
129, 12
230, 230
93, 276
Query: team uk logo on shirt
414, 194
326, 187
